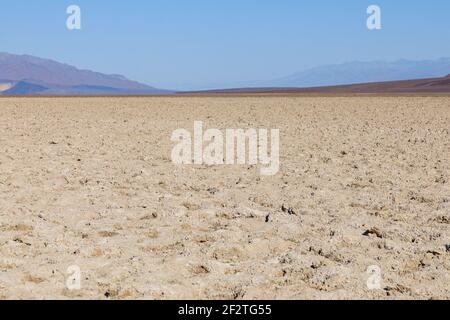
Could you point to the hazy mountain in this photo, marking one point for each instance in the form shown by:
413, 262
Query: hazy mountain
364, 72
419, 86
31, 75
341, 74
24, 74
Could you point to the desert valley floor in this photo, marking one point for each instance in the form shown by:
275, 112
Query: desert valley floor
89, 182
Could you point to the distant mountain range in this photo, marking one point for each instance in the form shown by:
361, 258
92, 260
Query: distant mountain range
345, 73
420, 86
28, 75
364, 72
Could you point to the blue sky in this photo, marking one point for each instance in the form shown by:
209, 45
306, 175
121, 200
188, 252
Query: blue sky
185, 43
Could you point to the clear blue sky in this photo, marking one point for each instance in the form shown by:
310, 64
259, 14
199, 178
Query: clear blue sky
196, 42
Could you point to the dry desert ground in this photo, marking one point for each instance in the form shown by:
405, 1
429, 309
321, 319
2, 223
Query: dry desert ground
89, 182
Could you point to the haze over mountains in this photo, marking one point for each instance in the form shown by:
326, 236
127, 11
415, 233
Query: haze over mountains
365, 72
24, 75
28, 75
421, 86
346, 73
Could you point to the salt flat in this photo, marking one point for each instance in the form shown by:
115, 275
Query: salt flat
89, 182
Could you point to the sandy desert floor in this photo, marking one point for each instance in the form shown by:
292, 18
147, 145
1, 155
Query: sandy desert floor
89, 182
